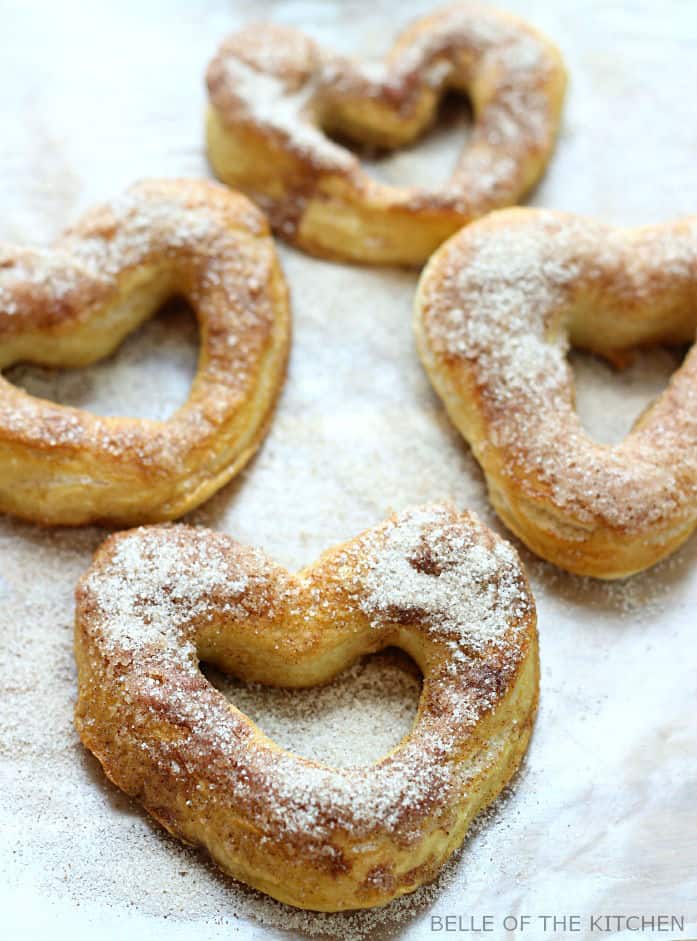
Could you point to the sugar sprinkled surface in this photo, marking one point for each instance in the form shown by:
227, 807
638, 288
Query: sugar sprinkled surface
145, 864
607, 786
149, 597
269, 105
626, 392
283, 84
476, 591
122, 257
128, 232
47, 663
507, 304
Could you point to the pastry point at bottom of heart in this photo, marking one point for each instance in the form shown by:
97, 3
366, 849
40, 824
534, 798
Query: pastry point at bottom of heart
432, 581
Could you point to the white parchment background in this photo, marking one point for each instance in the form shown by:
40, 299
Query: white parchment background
603, 818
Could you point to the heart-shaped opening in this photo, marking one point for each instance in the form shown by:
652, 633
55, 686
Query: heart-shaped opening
160, 600
148, 376
276, 96
354, 720
611, 397
430, 160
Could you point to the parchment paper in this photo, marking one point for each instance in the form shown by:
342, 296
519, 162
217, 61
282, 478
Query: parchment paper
602, 819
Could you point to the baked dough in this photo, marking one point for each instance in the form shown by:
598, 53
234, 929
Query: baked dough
497, 308
74, 304
274, 93
432, 581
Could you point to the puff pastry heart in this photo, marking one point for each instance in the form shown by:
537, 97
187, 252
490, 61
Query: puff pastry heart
432, 581
497, 308
74, 304
274, 92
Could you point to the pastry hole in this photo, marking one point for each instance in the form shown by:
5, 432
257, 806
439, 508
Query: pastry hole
427, 162
148, 376
610, 400
354, 720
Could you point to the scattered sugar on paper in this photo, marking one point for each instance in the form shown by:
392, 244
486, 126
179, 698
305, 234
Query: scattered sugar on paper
377, 695
327, 446
358, 433
148, 378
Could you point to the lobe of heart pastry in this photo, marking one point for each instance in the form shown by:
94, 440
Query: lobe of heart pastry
497, 309
432, 581
274, 93
76, 303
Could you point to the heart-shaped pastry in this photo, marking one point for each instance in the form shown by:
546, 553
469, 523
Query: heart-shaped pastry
497, 308
74, 304
273, 93
432, 581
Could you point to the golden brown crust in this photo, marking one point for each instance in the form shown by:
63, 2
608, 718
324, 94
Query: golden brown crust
432, 581
74, 304
272, 91
497, 308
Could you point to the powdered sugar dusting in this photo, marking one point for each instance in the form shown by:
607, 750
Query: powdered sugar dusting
606, 630
132, 229
38, 272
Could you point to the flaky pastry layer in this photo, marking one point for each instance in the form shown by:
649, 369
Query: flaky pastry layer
75, 303
497, 308
274, 93
431, 581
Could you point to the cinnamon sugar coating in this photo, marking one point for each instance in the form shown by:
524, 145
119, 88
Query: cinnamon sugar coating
498, 307
74, 304
432, 581
274, 93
